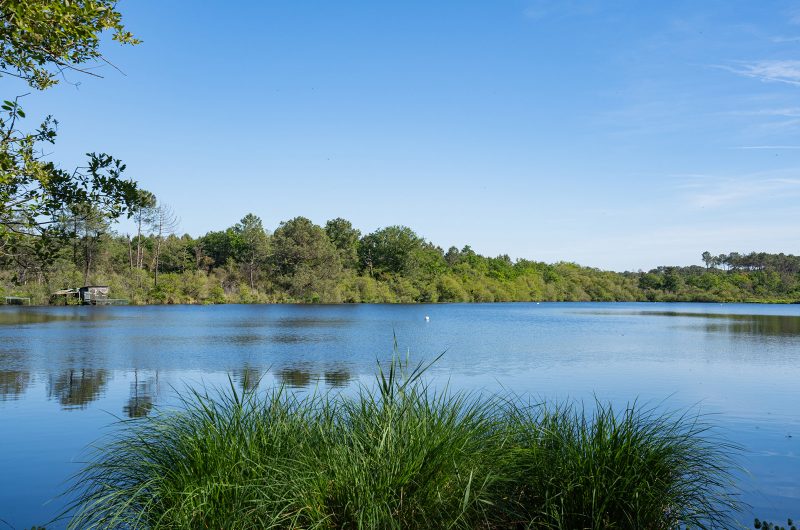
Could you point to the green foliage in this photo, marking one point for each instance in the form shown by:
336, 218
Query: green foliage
34, 192
451, 290
218, 247
301, 262
635, 469
251, 246
40, 39
401, 455
390, 250
744, 278
346, 239
305, 262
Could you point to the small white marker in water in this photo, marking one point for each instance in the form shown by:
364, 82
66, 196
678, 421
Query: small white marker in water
427, 318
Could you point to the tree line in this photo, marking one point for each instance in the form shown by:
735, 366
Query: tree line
303, 262
754, 261
57, 225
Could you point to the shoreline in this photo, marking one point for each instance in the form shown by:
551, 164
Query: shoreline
157, 304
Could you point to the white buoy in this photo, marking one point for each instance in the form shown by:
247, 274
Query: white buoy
427, 318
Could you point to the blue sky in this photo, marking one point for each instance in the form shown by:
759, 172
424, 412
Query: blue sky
619, 135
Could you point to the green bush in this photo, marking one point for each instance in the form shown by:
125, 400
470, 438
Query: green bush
401, 455
635, 469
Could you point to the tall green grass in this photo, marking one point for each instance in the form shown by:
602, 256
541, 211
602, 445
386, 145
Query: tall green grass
401, 455
634, 469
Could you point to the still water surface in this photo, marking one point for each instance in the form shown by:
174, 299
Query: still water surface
66, 373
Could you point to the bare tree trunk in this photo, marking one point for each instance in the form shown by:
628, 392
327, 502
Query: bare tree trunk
252, 270
156, 259
75, 240
165, 222
87, 255
139, 243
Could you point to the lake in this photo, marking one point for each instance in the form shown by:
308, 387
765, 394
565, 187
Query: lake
68, 373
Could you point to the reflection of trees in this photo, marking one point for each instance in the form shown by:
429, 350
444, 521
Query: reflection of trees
337, 378
767, 325
77, 388
19, 318
248, 377
299, 377
140, 402
13, 383
295, 377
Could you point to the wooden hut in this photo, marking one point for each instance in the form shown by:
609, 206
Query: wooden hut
86, 295
65, 295
17, 300
93, 295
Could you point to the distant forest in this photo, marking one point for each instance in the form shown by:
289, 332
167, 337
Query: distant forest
306, 263
57, 225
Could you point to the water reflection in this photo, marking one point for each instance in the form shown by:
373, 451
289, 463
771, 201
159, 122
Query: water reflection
116, 364
772, 327
13, 384
763, 325
248, 378
307, 322
142, 395
292, 323
14, 374
295, 377
236, 340
24, 316
76, 388
290, 338
303, 377
337, 378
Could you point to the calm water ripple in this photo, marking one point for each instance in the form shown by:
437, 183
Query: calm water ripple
66, 373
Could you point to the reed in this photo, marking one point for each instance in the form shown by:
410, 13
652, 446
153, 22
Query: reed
401, 455
638, 468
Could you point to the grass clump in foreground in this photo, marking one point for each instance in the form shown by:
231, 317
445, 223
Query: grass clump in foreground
401, 455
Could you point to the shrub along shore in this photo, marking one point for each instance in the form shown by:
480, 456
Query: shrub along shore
398, 454
304, 262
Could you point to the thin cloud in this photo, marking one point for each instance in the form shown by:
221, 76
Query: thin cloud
770, 147
541, 9
781, 40
714, 192
793, 16
770, 122
778, 71
784, 112
536, 12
